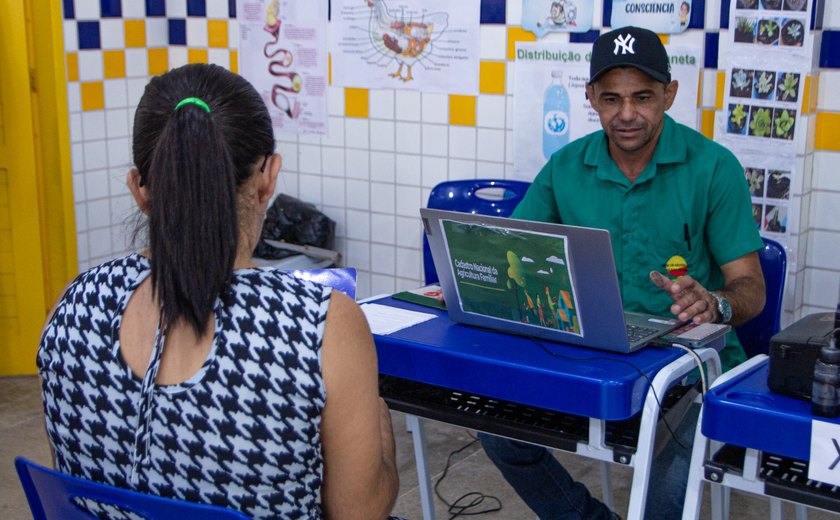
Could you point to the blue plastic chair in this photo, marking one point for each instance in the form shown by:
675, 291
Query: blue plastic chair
755, 334
51, 496
494, 197
340, 278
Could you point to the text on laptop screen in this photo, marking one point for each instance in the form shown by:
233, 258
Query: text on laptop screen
514, 275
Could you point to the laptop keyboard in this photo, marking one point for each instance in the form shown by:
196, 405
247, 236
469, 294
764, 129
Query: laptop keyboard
637, 333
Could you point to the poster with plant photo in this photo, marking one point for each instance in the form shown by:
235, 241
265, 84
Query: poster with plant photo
771, 183
778, 24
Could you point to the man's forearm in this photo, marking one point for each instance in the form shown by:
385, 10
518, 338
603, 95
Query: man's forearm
746, 296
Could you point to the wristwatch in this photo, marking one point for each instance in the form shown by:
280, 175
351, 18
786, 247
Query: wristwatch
723, 307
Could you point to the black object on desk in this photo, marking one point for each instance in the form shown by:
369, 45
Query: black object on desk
794, 352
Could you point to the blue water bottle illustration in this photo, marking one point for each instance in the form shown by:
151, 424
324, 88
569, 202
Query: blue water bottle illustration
555, 115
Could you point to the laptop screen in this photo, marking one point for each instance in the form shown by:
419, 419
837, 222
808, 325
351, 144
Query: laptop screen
516, 275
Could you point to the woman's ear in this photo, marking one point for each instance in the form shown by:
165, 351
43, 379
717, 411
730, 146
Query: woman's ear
268, 178
138, 190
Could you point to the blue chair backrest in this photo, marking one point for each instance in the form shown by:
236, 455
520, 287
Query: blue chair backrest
340, 278
494, 197
51, 496
755, 334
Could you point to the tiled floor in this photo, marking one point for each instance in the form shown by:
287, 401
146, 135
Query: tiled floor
22, 433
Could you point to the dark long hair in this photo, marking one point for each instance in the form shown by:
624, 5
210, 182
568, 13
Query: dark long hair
192, 162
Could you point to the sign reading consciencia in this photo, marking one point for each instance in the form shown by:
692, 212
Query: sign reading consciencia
660, 16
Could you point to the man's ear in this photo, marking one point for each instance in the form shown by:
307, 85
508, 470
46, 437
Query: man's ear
590, 95
671, 93
268, 178
138, 190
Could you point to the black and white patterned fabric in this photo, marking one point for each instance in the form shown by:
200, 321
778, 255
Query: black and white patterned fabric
243, 432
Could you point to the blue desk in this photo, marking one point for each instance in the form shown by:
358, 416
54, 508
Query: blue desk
740, 410
594, 386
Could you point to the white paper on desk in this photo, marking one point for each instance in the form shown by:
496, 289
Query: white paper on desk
384, 319
824, 463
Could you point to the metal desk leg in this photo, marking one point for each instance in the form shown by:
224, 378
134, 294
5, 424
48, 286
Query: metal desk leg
418, 437
694, 489
606, 485
801, 512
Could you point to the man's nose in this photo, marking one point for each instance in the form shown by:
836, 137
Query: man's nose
628, 109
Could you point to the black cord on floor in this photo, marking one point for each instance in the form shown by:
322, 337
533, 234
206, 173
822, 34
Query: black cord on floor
465, 504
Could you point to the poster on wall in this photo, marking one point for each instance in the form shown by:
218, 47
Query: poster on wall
283, 53
550, 106
428, 45
660, 16
778, 25
542, 17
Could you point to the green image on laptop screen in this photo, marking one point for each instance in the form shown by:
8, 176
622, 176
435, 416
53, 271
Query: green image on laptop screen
513, 275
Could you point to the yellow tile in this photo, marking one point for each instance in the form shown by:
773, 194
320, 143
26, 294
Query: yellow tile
135, 33
234, 62
93, 96
462, 110
72, 66
721, 85
197, 56
114, 62
806, 96
329, 69
517, 34
827, 132
664, 38
813, 92
700, 89
492, 77
217, 33
356, 102
158, 61
707, 123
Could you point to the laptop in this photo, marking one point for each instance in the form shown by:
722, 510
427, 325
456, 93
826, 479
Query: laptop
551, 281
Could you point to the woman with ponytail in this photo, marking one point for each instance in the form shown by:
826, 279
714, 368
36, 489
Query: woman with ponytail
185, 370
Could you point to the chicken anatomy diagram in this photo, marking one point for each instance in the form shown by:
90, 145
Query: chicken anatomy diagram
416, 44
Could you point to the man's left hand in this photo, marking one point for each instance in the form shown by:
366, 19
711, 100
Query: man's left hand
691, 300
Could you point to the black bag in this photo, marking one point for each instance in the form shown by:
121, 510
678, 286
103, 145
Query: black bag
296, 222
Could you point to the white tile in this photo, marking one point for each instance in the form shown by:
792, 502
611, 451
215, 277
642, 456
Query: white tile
197, 32
383, 259
709, 92
410, 231
409, 263
358, 164
98, 213
176, 9
93, 125
333, 161
381, 284
121, 242
136, 64
826, 173
82, 251
220, 57
310, 189
831, 18
87, 10
122, 208
335, 132
178, 56
821, 287
824, 249
408, 137
382, 166
76, 127
491, 144
289, 152
462, 142
363, 285
74, 97
119, 152
434, 171
90, 65
382, 199
337, 216
408, 201
117, 178
490, 111
407, 104
133, 10
71, 36
509, 110
435, 108
77, 157
712, 15
358, 255
460, 169
309, 139
81, 216
335, 101
217, 10
95, 155
489, 170
310, 158
357, 133
829, 85
509, 147
382, 135
111, 33
493, 41
157, 32
358, 225
96, 184
384, 226
409, 170
333, 192
116, 93
288, 183
381, 104
513, 16
435, 139
827, 212
358, 194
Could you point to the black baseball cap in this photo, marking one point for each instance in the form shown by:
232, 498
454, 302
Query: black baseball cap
630, 47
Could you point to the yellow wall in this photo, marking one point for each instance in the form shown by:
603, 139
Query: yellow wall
37, 235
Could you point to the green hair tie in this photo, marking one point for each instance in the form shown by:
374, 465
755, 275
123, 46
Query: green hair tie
193, 101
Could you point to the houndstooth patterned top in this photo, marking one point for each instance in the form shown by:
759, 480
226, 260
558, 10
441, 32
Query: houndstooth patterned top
243, 432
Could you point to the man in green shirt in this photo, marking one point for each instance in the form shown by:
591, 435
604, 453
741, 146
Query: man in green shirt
678, 210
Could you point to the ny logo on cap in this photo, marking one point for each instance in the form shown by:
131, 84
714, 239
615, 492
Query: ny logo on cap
625, 43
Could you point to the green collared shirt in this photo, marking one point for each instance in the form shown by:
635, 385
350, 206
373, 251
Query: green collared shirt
691, 202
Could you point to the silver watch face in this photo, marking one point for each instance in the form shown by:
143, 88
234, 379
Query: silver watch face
724, 309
